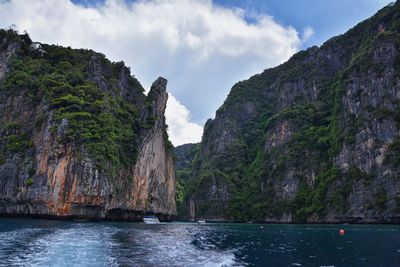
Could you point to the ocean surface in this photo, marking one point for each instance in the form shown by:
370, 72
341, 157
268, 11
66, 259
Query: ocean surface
29, 242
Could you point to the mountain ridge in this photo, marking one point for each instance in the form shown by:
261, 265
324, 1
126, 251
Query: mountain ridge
311, 140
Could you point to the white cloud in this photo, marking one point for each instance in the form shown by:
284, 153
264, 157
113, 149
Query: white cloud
307, 34
201, 48
180, 129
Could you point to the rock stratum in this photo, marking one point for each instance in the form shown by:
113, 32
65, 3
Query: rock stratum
314, 140
78, 136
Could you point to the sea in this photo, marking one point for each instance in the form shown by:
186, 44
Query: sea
36, 242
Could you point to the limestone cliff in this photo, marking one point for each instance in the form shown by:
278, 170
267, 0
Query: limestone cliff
79, 138
184, 158
154, 173
315, 139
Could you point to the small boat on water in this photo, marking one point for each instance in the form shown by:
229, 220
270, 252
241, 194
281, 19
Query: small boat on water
201, 221
150, 220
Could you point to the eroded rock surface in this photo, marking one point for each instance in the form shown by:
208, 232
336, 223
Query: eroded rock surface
44, 172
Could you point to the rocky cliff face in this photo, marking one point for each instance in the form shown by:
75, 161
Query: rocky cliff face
315, 139
78, 136
154, 172
185, 155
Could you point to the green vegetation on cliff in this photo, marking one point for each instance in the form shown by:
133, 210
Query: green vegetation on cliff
86, 95
292, 143
184, 156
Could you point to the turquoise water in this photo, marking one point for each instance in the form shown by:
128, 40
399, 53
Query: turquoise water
26, 242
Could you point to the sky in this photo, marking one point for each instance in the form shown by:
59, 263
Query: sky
203, 47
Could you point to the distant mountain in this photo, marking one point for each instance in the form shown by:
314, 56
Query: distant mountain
184, 157
315, 139
78, 136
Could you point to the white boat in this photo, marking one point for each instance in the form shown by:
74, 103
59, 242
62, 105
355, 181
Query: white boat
201, 221
150, 220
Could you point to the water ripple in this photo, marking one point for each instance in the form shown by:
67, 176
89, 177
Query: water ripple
54, 243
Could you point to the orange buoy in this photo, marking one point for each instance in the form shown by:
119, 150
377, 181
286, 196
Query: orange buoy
341, 232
